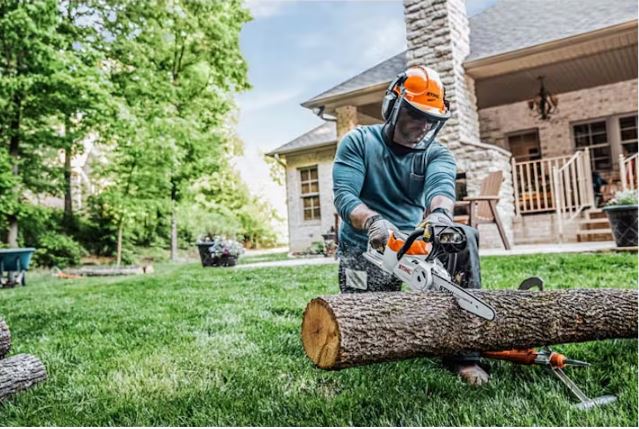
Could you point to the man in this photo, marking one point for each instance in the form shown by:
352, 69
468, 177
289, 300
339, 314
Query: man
386, 177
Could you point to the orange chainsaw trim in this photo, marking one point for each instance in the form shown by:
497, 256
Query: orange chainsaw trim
418, 247
525, 357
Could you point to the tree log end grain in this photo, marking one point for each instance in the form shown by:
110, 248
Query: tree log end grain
5, 339
320, 334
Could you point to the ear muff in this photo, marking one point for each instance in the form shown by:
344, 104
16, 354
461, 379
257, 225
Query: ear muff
389, 104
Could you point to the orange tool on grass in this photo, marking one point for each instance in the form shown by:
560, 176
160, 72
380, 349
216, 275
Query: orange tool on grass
534, 357
554, 361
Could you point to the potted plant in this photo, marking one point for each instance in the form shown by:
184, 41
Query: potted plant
622, 215
218, 251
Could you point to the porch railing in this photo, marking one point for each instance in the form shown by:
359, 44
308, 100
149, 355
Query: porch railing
628, 170
573, 188
534, 184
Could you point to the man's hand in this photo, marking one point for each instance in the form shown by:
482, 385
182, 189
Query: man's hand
378, 231
440, 216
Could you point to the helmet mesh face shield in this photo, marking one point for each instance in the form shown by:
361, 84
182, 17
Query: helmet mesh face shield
414, 127
415, 107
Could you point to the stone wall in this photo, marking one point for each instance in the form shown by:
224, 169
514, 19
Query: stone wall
303, 233
437, 35
543, 228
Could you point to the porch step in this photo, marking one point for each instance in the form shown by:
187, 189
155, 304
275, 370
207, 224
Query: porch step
595, 214
595, 231
592, 222
600, 234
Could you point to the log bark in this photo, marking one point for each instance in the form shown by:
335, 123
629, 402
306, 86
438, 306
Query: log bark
18, 373
5, 339
109, 271
354, 329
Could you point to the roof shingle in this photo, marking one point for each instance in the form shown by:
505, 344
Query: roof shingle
510, 25
507, 26
324, 134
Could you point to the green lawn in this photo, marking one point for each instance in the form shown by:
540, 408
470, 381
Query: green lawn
268, 257
194, 346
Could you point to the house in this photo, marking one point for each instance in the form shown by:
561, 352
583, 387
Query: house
545, 91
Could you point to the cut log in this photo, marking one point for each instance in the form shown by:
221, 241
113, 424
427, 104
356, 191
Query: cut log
18, 373
5, 339
106, 271
354, 329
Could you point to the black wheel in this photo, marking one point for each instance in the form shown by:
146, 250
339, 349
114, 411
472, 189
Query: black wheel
23, 281
231, 261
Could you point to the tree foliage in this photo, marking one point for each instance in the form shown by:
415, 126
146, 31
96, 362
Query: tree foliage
152, 83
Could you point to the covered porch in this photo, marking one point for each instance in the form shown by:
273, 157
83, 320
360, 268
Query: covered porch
569, 162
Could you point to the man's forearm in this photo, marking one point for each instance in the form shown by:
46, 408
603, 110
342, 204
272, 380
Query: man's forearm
441, 201
359, 215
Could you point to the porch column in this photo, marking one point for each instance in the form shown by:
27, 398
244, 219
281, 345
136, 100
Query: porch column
346, 120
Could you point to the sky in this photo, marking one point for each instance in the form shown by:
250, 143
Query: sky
296, 49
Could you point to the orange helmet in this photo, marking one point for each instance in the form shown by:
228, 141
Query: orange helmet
421, 87
420, 90
425, 91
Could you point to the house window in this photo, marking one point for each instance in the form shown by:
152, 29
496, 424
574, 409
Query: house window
593, 135
310, 193
628, 131
525, 146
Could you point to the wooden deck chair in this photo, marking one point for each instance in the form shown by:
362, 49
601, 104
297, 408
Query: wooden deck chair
483, 208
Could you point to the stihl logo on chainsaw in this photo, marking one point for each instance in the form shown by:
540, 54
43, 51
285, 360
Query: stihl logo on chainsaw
405, 269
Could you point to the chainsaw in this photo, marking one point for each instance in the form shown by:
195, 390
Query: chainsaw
413, 259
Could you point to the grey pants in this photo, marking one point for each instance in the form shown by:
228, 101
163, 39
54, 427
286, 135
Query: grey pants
357, 275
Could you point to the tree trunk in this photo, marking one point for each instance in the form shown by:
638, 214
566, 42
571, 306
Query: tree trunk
12, 236
68, 197
118, 258
18, 373
5, 339
174, 237
353, 329
14, 153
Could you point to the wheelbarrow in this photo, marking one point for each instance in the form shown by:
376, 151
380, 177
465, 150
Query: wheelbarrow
15, 262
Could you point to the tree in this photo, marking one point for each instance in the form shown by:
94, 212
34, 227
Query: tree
52, 92
178, 62
276, 169
80, 88
135, 172
30, 45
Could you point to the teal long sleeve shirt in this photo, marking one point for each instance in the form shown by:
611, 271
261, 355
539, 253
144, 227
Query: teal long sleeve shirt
366, 171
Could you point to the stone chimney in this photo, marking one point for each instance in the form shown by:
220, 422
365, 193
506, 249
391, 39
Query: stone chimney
438, 35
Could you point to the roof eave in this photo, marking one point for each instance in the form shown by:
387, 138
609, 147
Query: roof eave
336, 98
275, 152
477, 63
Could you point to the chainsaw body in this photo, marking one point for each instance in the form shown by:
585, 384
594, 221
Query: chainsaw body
415, 263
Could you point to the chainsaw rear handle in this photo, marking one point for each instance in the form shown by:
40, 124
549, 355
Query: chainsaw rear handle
453, 242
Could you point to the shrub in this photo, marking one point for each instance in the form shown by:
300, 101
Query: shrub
223, 247
35, 221
318, 248
57, 250
624, 198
